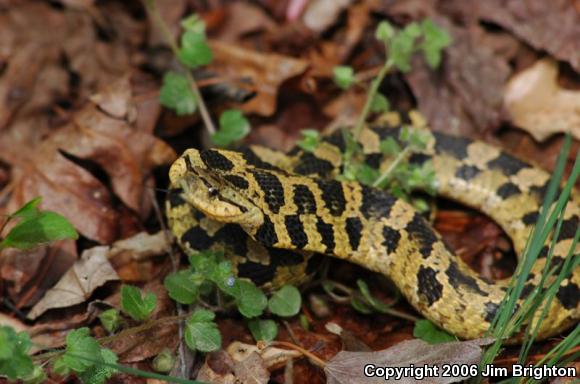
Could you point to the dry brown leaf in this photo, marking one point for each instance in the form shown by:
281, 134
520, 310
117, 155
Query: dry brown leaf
261, 72
348, 367
321, 14
143, 345
538, 104
272, 357
28, 274
243, 18
132, 257
553, 26
126, 154
115, 98
220, 368
92, 271
464, 96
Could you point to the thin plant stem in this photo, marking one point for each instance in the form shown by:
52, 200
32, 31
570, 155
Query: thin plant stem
312, 357
152, 10
385, 175
375, 84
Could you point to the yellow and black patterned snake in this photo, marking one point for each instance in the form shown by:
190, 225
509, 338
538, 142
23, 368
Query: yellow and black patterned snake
273, 213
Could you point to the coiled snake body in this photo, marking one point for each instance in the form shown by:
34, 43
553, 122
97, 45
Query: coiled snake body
272, 211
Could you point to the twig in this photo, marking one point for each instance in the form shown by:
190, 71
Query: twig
312, 357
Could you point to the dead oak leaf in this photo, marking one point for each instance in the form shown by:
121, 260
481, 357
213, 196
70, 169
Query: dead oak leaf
348, 367
553, 26
262, 73
220, 367
463, 96
127, 155
78, 283
537, 103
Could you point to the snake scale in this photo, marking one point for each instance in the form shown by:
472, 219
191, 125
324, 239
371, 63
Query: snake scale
274, 213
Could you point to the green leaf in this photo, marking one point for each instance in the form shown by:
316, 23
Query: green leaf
343, 76
201, 332
250, 300
360, 306
202, 316
310, 140
265, 330
419, 138
139, 308
164, 361
366, 174
111, 319
193, 23
380, 104
37, 376
177, 95
390, 147
223, 276
181, 288
286, 302
40, 229
402, 47
429, 332
100, 373
194, 51
384, 32
28, 210
375, 303
435, 39
233, 127
204, 262
14, 360
81, 351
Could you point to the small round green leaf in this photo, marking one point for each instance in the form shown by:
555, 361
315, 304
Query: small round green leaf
201, 333
139, 308
233, 127
194, 51
181, 288
343, 76
250, 300
384, 31
177, 95
265, 330
285, 302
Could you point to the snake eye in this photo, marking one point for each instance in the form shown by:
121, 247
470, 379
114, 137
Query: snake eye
213, 192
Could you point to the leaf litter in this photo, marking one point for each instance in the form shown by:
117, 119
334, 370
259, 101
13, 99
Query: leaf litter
73, 95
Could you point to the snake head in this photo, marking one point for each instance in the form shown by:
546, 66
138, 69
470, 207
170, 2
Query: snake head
209, 192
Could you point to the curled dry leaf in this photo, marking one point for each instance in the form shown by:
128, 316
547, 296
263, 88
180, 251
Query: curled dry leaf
220, 368
348, 367
28, 274
273, 358
261, 72
77, 285
132, 257
537, 103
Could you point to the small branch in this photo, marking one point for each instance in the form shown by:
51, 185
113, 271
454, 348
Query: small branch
312, 357
370, 97
385, 175
153, 12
